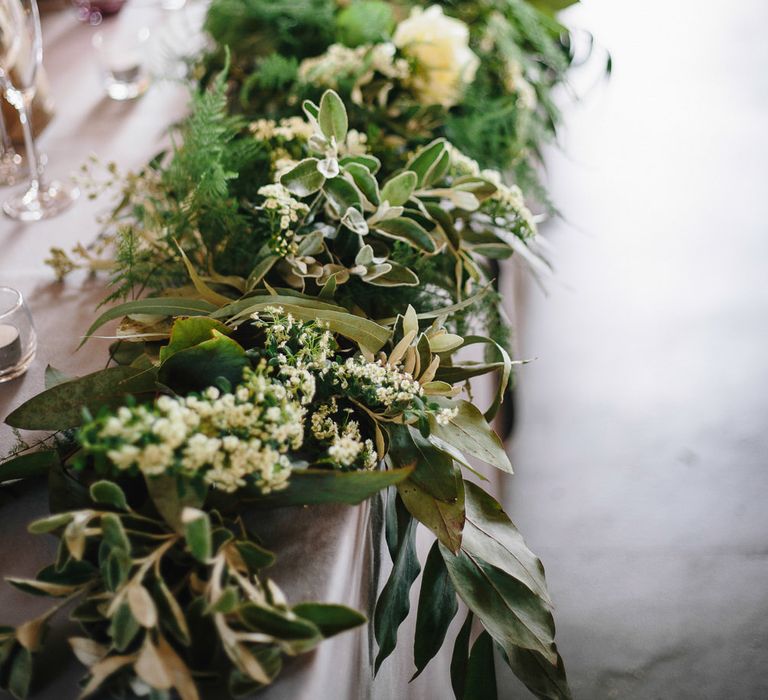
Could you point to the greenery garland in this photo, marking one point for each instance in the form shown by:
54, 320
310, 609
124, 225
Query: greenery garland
337, 167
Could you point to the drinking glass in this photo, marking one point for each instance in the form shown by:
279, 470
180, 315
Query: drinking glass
21, 54
11, 168
122, 55
18, 340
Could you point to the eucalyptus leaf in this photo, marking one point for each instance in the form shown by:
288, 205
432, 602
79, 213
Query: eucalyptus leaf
61, 406
437, 608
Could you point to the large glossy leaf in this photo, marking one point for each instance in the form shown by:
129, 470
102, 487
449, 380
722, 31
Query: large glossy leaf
154, 306
460, 658
491, 535
198, 367
28, 465
188, 332
393, 604
469, 432
444, 519
314, 486
61, 406
437, 607
511, 613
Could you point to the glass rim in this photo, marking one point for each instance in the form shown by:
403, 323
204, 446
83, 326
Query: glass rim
14, 307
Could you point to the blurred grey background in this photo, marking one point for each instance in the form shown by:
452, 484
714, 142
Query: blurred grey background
641, 452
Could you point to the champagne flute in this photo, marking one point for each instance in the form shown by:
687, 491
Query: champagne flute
10, 161
21, 54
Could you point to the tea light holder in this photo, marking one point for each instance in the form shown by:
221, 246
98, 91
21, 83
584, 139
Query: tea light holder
18, 340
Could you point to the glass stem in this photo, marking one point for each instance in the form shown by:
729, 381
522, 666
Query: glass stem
4, 135
33, 159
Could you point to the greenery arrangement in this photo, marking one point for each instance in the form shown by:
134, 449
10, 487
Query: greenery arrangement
299, 280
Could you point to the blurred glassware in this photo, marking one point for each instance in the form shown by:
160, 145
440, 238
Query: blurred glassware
21, 55
122, 55
93, 11
18, 340
11, 163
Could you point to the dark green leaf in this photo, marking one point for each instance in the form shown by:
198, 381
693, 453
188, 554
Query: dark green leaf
198, 367
430, 163
279, 624
444, 518
109, 493
437, 607
188, 332
28, 465
113, 532
313, 486
123, 627
545, 681
20, 674
254, 556
61, 407
170, 495
330, 619
460, 658
398, 189
481, 671
342, 194
197, 531
365, 182
394, 602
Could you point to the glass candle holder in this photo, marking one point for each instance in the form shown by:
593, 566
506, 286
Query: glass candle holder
122, 57
18, 340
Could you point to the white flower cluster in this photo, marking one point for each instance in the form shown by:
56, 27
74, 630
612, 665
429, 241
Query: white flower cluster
289, 129
361, 63
445, 415
378, 384
347, 448
285, 212
227, 438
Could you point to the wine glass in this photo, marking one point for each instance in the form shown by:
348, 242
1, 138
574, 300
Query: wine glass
21, 54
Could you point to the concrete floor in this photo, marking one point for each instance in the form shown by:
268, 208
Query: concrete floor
642, 450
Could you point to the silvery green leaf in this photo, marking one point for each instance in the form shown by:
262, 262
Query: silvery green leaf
385, 212
318, 143
328, 167
364, 256
197, 530
355, 221
398, 189
304, 178
376, 271
333, 117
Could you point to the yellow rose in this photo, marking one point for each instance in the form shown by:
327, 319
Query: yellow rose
440, 46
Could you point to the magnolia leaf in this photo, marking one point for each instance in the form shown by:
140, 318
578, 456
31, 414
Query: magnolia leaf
197, 531
398, 189
304, 178
545, 681
445, 519
437, 607
445, 342
150, 668
408, 231
393, 604
332, 117
480, 683
102, 670
61, 407
156, 306
469, 432
54, 376
142, 605
505, 371
28, 465
176, 669
460, 658
109, 493
330, 619
87, 651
